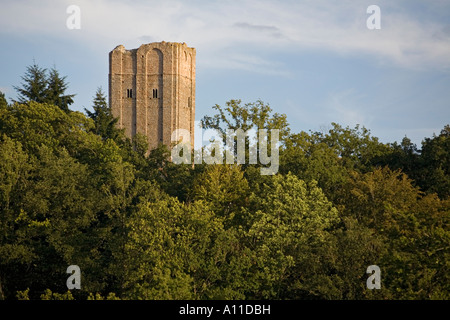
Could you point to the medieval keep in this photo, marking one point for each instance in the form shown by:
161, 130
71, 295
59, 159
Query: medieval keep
152, 90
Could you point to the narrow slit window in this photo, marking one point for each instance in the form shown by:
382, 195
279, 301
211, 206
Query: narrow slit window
155, 93
129, 93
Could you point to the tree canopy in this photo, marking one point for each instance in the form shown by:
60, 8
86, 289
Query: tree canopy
44, 87
75, 191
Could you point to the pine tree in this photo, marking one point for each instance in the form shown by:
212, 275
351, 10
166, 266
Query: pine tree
102, 116
3, 102
44, 88
34, 87
56, 88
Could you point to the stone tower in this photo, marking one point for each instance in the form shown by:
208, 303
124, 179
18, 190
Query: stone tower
152, 90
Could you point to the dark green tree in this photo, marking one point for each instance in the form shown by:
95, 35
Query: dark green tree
41, 87
65, 206
434, 175
404, 156
429, 168
3, 102
15, 166
105, 123
56, 88
34, 85
310, 159
414, 228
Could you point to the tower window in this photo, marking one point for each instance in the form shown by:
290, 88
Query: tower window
129, 93
155, 93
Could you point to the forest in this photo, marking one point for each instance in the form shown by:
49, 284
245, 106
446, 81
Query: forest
75, 191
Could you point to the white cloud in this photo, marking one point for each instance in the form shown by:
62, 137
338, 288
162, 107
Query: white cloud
216, 26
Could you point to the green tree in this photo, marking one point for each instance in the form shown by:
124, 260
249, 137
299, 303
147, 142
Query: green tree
15, 167
329, 157
34, 124
3, 102
414, 229
105, 123
429, 167
290, 241
73, 203
405, 156
55, 92
310, 159
34, 85
250, 116
255, 115
434, 175
175, 179
47, 206
356, 147
224, 188
41, 87
355, 247
171, 251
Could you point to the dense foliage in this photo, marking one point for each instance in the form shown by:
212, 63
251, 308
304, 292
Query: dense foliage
75, 191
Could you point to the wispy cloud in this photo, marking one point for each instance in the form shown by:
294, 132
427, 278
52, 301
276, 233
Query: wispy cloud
347, 107
271, 31
246, 25
248, 62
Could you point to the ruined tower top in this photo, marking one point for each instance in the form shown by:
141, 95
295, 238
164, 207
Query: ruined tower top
152, 90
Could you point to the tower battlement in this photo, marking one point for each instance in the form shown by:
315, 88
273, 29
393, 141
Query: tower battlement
152, 90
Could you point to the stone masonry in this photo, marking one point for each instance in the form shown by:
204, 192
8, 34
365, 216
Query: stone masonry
152, 90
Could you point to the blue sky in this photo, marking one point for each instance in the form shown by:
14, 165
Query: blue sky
315, 60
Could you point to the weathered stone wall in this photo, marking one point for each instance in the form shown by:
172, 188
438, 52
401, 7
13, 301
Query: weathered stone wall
162, 79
